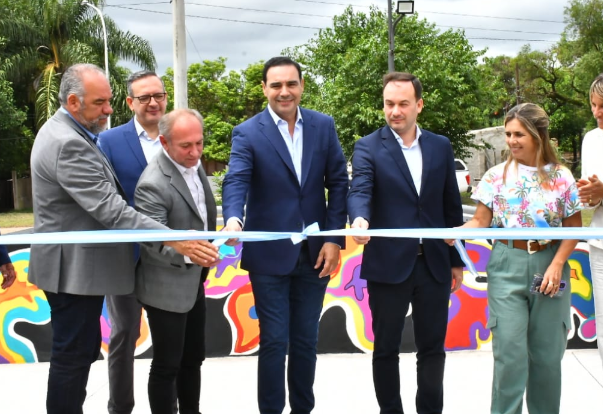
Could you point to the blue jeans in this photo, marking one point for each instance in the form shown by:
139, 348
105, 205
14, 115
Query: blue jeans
288, 308
76, 342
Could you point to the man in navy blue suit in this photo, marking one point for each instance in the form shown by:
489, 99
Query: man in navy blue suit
7, 270
281, 162
404, 177
129, 148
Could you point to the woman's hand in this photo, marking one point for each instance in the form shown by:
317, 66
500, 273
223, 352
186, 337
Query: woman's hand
552, 279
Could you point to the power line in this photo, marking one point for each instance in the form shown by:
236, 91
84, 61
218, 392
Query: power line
510, 40
498, 30
434, 12
318, 28
259, 10
220, 19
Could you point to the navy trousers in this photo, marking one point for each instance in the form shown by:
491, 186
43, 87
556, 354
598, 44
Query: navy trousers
288, 308
76, 342
389, 306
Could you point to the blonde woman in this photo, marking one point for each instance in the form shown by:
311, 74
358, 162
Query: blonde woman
529, 330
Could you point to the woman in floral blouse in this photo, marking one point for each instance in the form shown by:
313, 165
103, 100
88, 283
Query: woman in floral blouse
529, 331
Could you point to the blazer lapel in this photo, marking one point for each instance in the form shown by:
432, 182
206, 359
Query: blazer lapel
210, 202
271, 132
427, 154
177, 181
392, 146
131, 137
308, 144
79, 129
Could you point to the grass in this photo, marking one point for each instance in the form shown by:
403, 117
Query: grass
17, 218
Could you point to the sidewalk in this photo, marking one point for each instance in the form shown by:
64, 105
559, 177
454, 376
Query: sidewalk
343, 385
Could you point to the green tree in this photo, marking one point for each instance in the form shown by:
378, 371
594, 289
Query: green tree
55, 34
224, 99
15, 137
344, 66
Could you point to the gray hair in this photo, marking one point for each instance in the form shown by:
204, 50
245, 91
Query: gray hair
72, 82
167, 121
141, 74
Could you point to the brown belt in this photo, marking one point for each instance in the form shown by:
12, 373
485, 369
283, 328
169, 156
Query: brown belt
531, 246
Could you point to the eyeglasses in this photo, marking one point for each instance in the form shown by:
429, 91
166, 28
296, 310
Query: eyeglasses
145, 99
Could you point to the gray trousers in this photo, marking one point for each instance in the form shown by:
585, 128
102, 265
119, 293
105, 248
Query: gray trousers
529, 332
124, 314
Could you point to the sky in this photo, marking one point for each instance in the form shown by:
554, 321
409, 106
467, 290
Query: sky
248, 31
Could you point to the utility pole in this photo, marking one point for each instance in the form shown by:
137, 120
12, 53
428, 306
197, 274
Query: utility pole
403, 7
390, 36
517, 87
180, 69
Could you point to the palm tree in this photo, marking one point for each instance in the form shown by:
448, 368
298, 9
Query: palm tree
57, 34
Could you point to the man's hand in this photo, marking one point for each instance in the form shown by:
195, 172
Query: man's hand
360, 223
232, 224
9, 274
457, 279
201, 252
590, 191
329, 254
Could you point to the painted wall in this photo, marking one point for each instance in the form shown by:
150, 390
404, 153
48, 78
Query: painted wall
232, 326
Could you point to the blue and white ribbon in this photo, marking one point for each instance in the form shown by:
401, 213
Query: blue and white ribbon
219, 237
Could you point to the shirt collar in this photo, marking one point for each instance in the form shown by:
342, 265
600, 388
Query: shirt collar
140, 130
90, 134
181, 168
277, 118
417, 136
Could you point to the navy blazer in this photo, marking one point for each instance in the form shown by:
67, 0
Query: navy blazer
122, 147
382, 191
4, 259
261, 175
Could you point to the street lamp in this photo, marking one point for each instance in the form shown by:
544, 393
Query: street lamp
402, 8
102, 19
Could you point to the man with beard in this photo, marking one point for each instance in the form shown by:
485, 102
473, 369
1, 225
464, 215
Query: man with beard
75, 189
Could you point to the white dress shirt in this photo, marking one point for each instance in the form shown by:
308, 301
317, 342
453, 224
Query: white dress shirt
414, 158
193, 182
295, 143
150, 147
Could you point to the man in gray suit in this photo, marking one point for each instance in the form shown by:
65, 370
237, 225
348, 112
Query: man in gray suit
174, 190
74, 188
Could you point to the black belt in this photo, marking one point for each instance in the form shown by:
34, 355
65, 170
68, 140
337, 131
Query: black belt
420, 250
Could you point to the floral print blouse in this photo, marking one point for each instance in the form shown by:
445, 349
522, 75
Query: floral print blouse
523, 200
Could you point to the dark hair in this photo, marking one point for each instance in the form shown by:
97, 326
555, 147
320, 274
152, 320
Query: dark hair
404, 77
280, 61
141, 74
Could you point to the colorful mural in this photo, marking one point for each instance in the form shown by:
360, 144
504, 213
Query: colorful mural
25, 315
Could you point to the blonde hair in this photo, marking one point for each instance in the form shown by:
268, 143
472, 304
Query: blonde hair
535, 120
596, 88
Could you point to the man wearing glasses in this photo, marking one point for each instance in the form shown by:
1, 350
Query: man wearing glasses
129, 148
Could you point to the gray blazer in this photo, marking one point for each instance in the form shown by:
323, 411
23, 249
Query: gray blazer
74, 188
163, 279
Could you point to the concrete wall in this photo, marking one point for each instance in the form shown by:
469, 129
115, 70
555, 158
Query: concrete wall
483, 159
345, 326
